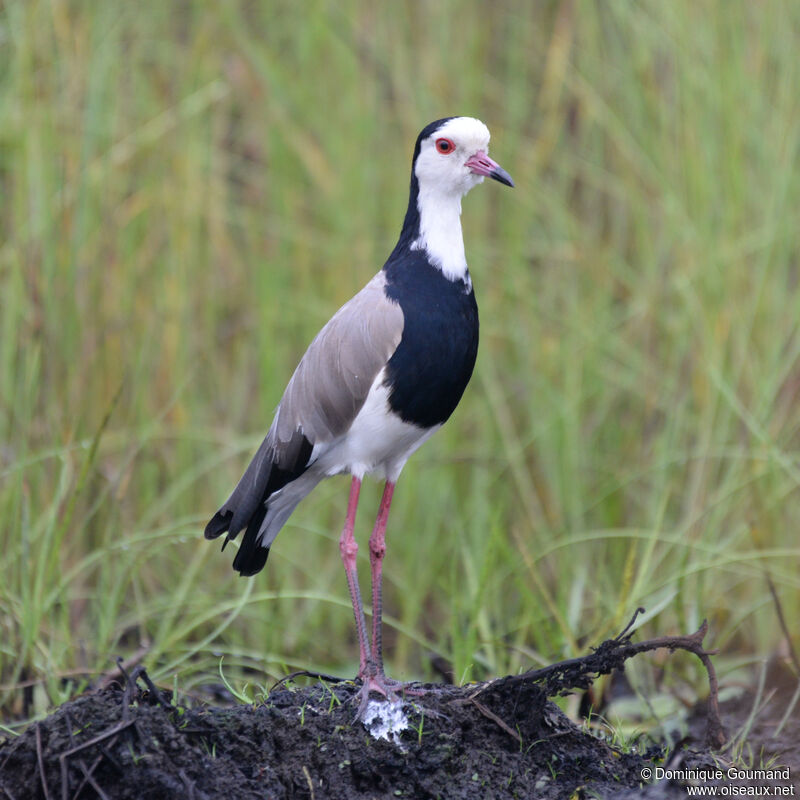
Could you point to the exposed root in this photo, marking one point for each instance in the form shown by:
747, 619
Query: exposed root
579, 673
306, 673
497, 720
40, 762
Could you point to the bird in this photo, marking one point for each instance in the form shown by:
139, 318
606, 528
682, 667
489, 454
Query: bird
379, 379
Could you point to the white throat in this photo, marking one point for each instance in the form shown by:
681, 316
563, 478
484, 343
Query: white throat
440, 232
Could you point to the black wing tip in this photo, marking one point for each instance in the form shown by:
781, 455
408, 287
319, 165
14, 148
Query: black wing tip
249, 561
219, 523
250, 558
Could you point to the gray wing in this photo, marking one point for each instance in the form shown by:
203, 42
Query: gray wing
326, 392
333, 379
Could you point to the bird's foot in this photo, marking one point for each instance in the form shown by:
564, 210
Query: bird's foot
375, 680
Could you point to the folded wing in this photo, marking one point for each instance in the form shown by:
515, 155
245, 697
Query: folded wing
321, 401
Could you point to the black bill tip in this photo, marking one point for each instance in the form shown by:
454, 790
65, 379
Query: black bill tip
502, 176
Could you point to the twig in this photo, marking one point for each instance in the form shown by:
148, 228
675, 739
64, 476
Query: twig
309, 781
625, 636
121, 666
40, 759
782, 620
112, 758
111, 732
492, 716
307, 673
64, 770
97, 739
88, 778
579, 673
754, 535
153, 689
129, 663
130, 688
127, 696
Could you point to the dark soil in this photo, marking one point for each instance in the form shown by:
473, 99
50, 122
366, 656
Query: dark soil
305, 744
498, 740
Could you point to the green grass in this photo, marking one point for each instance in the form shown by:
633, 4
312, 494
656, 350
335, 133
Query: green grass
187, 194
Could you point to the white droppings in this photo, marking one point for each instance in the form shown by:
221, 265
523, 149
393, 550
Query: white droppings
385, 719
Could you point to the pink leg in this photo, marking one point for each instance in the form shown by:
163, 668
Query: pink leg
373, 677
349, 549
377, 550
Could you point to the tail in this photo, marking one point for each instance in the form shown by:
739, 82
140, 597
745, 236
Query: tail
248, 505
251, 556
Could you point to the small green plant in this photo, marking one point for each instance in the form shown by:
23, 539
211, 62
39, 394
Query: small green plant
333, 700
210, 751
551, 766
240, 694
136, 758
419, 727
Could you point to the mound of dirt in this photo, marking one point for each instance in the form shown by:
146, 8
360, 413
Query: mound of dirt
304, 743
499, 740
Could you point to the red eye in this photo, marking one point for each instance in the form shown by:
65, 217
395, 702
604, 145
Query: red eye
445, 145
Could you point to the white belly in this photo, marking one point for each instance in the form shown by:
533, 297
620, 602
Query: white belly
377, 443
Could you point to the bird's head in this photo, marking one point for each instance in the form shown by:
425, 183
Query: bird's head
451, 156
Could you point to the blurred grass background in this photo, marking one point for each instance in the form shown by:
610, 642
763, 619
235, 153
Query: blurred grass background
189, 191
